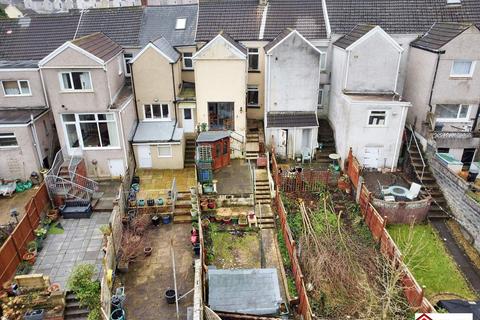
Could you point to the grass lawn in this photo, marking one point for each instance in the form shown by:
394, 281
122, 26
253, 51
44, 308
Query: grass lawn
429, 261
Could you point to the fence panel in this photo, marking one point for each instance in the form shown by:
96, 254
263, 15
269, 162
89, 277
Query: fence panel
307, 180
9, 260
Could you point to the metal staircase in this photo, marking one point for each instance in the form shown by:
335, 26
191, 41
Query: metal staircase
439, 208
63, 180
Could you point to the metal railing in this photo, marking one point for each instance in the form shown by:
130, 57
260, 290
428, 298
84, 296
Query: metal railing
254, 188
414, 139
84, 181
173, 194
60, 186
57, 163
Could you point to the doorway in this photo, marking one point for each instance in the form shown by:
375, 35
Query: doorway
116, 167
188, 121
144, 156
467, 157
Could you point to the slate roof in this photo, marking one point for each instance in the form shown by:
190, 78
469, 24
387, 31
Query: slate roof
292, 119
277, 39
305, 16
399, 16
157, 131
356, 33
239, 18
121, 24
439, 35
26, 38
161, 20
163, 45
20, 115
99, 45
236, 44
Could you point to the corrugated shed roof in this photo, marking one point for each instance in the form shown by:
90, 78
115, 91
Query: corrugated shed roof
121, 24
356, 33
305, 16
291, 119
99, 45
160, 21
399, 16
163, 45
439, 35
239, 18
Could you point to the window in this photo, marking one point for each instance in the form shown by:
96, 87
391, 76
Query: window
164, 151
8, 140
187, 114
97, 130
454, 1
187, 60
462, 68
320, 97
449, 112
120, 66
126, 58
252, 96
180, 24
252, 58
156, 111
323, 61
73, 81
220, 115
16, 88
443, 150
377, 118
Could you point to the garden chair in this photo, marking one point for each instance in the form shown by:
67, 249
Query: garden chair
306, 155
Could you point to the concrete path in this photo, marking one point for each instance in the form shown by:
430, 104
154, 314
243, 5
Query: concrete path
471, 273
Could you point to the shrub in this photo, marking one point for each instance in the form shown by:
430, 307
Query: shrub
86, 289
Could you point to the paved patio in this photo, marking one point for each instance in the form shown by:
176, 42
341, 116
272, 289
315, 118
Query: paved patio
234, 179
161, 180
80, 243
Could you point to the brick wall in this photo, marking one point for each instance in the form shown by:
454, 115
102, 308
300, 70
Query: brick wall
463, 207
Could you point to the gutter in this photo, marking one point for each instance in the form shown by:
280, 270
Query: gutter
434, 79
174, 102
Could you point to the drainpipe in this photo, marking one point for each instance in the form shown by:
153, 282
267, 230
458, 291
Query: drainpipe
434, 79
174, 102
36, 143
399, 138
136, 113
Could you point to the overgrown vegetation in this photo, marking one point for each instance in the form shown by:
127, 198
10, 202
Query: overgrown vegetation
431, 266
86, 289
292, 290
344, 272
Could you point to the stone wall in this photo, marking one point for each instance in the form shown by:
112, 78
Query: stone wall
465, 209
403, 212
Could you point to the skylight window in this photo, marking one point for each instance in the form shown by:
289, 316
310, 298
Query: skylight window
181, 23
454, 1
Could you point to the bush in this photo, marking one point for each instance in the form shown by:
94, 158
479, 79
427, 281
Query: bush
86, 289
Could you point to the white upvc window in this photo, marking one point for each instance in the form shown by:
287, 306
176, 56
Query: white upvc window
377, 118
91, 130
164, 151
323, 61
180, 24
13, 88
253, 57
321, 96
462, 68
8, 140
252, 96
75, 81
160, 111
126, 58
452, 112
187, 60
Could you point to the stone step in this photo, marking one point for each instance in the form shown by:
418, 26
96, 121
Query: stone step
263, 201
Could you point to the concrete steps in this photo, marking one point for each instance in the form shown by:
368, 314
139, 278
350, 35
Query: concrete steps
262, 187
189, 157
73, 311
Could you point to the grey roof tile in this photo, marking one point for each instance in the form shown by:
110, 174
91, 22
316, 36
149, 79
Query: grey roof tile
236, 44
163, 45
161, 20
351, 37
293, 119
439, 35
99, 45
399, 16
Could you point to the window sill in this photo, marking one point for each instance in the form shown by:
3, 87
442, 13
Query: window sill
453, 120
254, 71
100, 148
17, 95
461, 77
77, 91
165, 157
9, 147
184, 69
156, 120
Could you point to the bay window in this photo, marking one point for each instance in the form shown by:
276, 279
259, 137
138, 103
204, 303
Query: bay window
452, 112
91, 130
156, 111
16, 88
75, 81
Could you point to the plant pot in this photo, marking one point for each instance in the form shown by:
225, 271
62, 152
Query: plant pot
160, 202
242, 221
205, 223
227, 220
147, 251
211, 204
156, 221
235, 219
53, 215
37, 314
29, 257
54, 287
170, 296
166, 219
117, 314
141, 202
204, 205
118, 301
196, 249
39, 242
193, 212
122, 266
193, 191
32, 250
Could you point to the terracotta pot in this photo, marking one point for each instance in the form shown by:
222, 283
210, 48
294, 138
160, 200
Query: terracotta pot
204, 205
54, 287
53, 215
211, 204
29, 257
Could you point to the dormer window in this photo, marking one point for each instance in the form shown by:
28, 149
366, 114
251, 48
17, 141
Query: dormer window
180, 24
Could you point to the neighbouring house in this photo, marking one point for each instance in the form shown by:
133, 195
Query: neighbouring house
292, 79
366, 111
220, 86
159, 137
443, 84
93, 107
48, 6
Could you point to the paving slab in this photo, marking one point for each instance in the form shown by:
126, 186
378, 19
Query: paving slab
234, 179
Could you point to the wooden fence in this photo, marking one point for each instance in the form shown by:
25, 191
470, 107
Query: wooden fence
308, 180
412, 290
15, 246
303, 307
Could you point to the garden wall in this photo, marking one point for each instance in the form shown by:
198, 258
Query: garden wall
14, 247
403, 212
413, 291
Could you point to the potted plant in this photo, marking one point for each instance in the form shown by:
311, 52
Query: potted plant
40, 232
39, 242
29, 258
193, 212
211, 204
235, 218
343, 182
46, 222
53, 214
32, 247
23, 268
205, 223
204, 204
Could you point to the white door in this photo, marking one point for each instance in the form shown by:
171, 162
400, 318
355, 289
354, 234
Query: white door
188, 122
282, 143
116, 167
306, 139
144, 156
371, 157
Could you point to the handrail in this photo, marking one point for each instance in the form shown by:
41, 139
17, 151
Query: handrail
242, 138
55, 182
89, 183
412, 137
252, 178
57, 162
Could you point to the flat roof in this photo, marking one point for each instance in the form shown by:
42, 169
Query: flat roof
20, 115
157, 131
